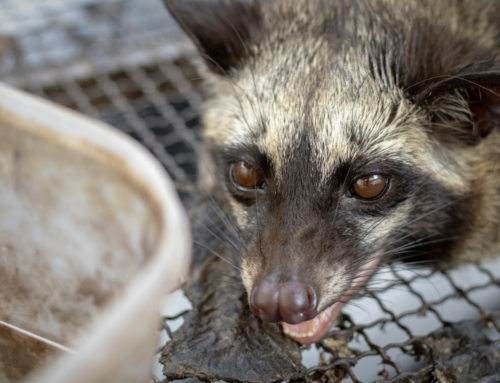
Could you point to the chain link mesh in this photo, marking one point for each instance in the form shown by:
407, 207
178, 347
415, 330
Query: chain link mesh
125, 62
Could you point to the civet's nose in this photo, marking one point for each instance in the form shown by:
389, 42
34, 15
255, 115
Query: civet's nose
291, 302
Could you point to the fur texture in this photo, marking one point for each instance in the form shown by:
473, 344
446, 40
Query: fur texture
317, 93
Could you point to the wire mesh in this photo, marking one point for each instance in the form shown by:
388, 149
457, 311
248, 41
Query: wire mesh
125, 62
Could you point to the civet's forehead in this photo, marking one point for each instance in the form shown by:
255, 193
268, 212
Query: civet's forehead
277, 106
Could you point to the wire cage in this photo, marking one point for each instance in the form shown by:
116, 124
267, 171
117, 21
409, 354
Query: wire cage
124, 62
127, 63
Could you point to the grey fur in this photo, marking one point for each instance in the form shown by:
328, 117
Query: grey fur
325, 91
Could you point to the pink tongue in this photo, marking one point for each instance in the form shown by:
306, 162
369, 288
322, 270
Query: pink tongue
313, 330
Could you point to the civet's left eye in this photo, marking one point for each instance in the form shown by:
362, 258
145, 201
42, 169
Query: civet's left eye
244, 176
370, 187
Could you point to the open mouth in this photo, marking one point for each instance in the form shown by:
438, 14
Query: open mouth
314, 330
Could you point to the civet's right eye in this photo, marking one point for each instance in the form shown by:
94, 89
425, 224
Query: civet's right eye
245, 177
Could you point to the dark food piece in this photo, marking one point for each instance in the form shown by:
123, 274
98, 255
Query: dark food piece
461, 353
220, 338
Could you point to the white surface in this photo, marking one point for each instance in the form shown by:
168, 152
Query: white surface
400, 300
119, 346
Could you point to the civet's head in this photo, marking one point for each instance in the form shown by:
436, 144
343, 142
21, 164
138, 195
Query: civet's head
344, 133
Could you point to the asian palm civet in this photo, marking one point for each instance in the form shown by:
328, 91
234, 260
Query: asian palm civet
346, 133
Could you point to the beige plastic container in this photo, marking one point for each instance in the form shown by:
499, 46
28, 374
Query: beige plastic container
92, 237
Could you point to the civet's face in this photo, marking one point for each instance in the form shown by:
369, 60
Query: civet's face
331, 157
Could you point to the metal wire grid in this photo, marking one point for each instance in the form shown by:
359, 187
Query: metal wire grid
126, 63
410, 344
121, 68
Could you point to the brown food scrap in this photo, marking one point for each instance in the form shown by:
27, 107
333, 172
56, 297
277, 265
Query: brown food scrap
220, 338
462, 353
338, 346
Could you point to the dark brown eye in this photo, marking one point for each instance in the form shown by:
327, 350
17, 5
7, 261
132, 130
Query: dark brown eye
370, 187
245, 176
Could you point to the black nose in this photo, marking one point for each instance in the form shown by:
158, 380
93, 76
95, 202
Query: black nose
291, 302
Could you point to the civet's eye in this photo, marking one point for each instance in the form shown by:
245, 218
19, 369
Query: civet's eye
244, 176
370, 187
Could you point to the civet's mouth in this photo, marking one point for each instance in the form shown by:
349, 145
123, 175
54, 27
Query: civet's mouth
314, 330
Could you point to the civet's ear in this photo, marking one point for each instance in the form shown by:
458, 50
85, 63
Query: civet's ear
468, 101
222, 30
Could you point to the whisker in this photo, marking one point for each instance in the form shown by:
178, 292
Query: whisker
216, 254
37, 337
217, 237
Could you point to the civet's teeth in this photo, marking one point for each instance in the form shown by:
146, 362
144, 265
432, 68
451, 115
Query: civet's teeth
305, 329
298, 334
